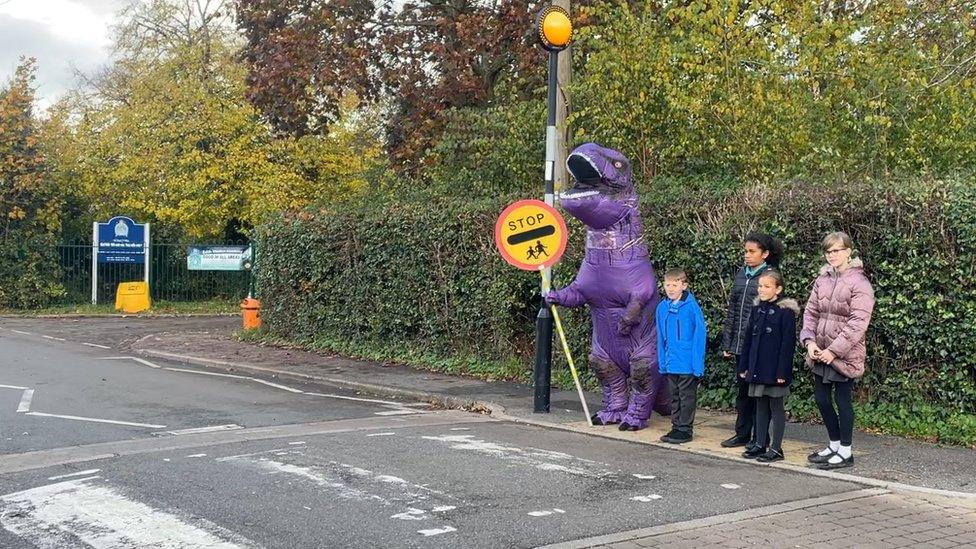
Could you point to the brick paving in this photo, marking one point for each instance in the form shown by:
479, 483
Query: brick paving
885, 520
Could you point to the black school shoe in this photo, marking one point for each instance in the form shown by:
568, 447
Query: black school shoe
677, 437
817, 458
735, 441
753, 452
826, 466
770, 456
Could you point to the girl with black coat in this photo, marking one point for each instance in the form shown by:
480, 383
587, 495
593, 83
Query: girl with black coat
760, 252
766, 363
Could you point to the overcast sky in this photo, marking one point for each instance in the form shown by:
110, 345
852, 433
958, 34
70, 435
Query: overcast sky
61, 34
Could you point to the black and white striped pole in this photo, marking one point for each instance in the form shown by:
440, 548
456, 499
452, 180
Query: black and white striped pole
555, 31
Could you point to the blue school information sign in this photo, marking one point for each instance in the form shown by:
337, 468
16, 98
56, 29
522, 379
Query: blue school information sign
121, 240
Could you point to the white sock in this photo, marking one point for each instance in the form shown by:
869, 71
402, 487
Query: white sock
830, 449
845, 452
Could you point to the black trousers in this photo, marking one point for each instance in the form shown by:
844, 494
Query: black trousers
770, 410
745, 406
684, 401
839, 422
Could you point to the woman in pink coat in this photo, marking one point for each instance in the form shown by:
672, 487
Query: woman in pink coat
834, 323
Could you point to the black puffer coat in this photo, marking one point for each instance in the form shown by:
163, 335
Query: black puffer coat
744, 292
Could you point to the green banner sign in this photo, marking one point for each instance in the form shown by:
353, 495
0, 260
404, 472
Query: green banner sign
218, 258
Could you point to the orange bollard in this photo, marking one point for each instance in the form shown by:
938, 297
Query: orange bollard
251, 312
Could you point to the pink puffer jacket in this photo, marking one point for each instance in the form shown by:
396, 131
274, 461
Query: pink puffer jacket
837, 314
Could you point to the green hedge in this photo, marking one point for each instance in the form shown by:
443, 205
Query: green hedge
416, 279
30, 276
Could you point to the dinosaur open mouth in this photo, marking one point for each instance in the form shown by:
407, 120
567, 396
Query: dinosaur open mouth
583, 170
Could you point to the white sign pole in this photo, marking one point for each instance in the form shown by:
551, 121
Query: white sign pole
94, 275
145, 248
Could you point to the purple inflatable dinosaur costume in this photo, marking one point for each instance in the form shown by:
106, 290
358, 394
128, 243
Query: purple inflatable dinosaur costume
617, 281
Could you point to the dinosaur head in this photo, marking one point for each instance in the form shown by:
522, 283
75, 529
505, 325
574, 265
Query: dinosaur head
603, 193
596, 168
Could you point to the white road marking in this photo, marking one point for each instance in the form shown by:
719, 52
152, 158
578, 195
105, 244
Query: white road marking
349, 482
195, 430
646, 499
96, 345
198, 372
731, 486
275, 385
25, 401
410, 514
545, 513
296, 443
645, 477
54, 338
381, 434
239, 456
442, 508
388, 479
78, 474
357, 399
78, 511
21, 333
13, 387
142, 361
318, 477
396, 413
235, 376
112, 421
532, 457
460, 428
437, 531
196, 455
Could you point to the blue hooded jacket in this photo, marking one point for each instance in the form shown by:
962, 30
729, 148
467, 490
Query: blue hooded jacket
681, 336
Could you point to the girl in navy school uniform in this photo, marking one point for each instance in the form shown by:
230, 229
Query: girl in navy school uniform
766, 363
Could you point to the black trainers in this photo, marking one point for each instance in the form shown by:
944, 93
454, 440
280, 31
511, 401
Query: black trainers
735, 441
677, 437
770, 456
754, 452
624, 426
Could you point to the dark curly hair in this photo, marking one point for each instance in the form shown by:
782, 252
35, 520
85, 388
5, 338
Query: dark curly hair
769, 244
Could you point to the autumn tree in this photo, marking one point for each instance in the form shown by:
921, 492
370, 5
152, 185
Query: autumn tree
421, 57
166, 135
29, 206
781, 87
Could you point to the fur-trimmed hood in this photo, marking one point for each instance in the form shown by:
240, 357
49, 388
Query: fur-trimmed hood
787, 303
856, 264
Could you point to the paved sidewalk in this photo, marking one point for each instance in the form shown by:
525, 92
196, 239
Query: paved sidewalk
865, 519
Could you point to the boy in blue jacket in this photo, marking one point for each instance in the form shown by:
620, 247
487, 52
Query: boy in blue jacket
681, 352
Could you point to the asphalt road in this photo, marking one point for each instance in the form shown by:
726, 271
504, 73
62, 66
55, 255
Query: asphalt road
105, 451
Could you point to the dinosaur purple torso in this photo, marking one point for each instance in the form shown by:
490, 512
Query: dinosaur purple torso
617, 281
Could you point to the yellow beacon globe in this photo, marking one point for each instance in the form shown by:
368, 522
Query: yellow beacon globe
556, 28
